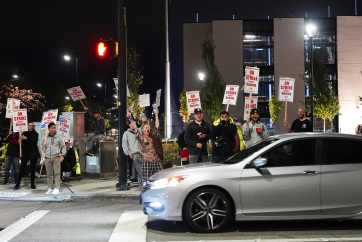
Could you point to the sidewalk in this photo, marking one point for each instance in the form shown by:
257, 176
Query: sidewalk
88, 189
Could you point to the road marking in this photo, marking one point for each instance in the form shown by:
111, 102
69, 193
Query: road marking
19, 226
280, 240
131, 227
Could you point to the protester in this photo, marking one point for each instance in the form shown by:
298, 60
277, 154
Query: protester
12, 156
253, 130
197, 134
54, 150
131, 148
69, 161
301, 124
151, 149
99, 130
29, 152
223, 137
183, 148
239, 145
359, 129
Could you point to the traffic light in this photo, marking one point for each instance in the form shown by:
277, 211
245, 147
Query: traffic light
107, 49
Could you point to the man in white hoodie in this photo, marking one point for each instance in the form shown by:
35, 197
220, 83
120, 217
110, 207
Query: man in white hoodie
253, 130
131, 147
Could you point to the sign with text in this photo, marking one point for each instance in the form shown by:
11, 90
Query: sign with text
251, 80
144, 100
69, 140
193, 101
116, 83
20, 120
158, 98
11, 105
76, 93
231, 94
286, 89
64, 126
49, 117
248, 106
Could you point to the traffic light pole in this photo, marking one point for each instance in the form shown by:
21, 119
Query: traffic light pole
122, 103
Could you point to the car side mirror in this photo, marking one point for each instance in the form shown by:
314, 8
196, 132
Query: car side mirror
259, 162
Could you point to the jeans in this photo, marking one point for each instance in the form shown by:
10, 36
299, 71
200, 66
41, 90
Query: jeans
137, 163
91, 141
195, 159
219, 158
11, 160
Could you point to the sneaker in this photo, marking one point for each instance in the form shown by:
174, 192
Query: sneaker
33, 186
55, 191
49, 191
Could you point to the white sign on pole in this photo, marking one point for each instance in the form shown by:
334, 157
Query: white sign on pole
20, 120
11, 105
251, 80
248, 106
158, 98
193, 100
144, 100
64, 126
286, 89
76, 93
49, 117
69, 140
231, 94
116, 83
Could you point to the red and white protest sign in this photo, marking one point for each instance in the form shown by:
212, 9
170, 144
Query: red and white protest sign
286, 89
11, 105
193, 100
20, 120
251, 80
248, 106
49, 117
64, 126
69, 140
76, 93
231, 94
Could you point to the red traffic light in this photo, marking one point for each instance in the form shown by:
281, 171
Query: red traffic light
107, 49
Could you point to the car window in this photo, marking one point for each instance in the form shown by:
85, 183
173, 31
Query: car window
294, 153
342, 151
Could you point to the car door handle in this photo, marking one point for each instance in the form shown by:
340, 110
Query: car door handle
310, 172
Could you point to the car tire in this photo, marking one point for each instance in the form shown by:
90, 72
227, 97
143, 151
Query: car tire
208, 210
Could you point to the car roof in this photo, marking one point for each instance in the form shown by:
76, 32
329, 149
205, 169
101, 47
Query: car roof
316, 135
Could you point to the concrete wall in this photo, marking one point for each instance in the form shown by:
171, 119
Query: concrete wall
228, 39
349, 54
289, 62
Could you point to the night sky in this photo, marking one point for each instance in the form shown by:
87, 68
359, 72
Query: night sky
37, 33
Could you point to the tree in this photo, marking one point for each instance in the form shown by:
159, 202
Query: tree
212, 91
134, 81
184, 110
275, 107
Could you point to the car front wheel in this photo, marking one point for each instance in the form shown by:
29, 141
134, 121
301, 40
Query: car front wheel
208, 210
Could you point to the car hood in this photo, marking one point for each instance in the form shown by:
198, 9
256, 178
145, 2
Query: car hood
185, 170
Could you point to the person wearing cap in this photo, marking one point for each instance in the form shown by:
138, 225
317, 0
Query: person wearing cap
99, 130
223, 133
197, 134
253, 130
301, 124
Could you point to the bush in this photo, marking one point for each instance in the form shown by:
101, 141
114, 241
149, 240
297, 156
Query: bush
170, 151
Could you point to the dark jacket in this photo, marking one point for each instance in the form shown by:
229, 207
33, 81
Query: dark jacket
69, 161
30, 145
13, 147
181, 140
192, 139
223, 137
99, 125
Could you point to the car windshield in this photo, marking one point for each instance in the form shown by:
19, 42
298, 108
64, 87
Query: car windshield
241, 155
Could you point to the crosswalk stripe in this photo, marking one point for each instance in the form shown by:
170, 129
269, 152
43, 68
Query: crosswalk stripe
280, 240
19, 226
131, 227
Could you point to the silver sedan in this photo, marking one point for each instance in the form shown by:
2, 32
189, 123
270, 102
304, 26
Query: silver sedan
287, 177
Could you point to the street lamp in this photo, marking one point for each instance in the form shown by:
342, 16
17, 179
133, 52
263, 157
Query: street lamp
311, 30
201, 76
69, 58
105, 91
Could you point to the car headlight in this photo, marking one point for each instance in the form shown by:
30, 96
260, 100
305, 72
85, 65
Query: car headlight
167, 182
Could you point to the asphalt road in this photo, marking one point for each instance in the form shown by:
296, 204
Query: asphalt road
124, 221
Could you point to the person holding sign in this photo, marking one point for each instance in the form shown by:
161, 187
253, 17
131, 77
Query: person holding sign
301, 124
253, 130
196, 136
12, 156
54, 150
99, 130
30, 152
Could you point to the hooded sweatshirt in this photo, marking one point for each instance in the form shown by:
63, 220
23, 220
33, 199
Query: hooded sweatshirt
55, 146
129, 143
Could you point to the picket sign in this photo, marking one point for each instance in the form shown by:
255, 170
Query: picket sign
144, 100
77, 94
193, 100
286, 91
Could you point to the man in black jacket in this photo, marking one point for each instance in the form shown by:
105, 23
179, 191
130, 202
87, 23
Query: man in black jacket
196, 136
223, 137
99, 130
30, 152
